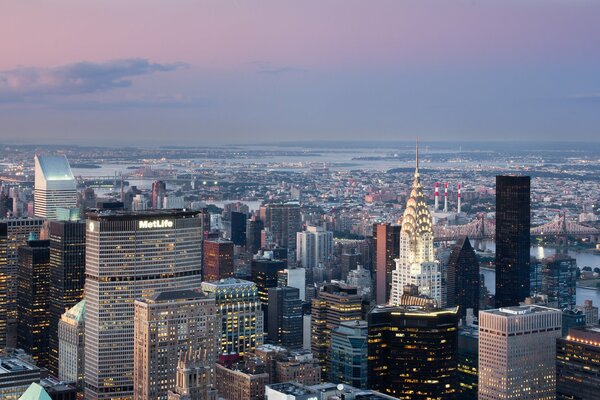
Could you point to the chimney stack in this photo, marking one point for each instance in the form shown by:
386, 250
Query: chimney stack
445, 197
437, 195
459, 198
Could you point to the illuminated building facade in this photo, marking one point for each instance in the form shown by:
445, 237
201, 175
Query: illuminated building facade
218, 260
416, 264
285, 317
413, 352
239, 309
166, 325
336, 303
14, 233
578, 364
517, 352
55, 186
33, 312
71, 341
131, 255
67, 276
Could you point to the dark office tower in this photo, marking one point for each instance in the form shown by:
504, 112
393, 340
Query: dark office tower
217, 260
559, 280
336, 303
13, 234
283, 221
254, 227
159, 191
577, 365
67, 277
386, 243
413, 352
348, 262
33, 292
513, 220
264, 273
285, 317
238, 228
463, 277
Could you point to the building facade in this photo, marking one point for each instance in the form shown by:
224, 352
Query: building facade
167, 325
71, 345
285, 317
218, 260
517, 352
386, 245
578, 364
513, 220
239, 309
131, 255
349, 350
463, 278
315, 246
283, 222
559, 280
55, 186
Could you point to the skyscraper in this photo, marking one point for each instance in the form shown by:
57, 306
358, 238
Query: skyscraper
264, 272
463, 277
239, 309
159, 192
559, 280
67, 276
194, 378
131, 255
413, 352
34, 314
577, 364
218, 260
254, 227
315, 245
13, 234
166, 325
513, 220
416, 264
238, 228
517, 350
71, 341
55, 186
285, 317
349, 350
336, 303
386, 243
283, 221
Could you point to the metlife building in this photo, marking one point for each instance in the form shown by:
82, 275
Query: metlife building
131, 255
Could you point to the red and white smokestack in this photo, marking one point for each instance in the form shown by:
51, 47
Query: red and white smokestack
459, 198
437, 196
445, 196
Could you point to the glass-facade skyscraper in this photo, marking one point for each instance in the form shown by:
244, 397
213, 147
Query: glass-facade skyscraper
513, 220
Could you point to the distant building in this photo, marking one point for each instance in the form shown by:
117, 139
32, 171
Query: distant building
577, 364
67, 277
513, 220
285, 317
315, 245
559, 280
591, 312
33, 294
159, 193
517, 350
572, 318
71, 345
254, 227
239, 308
299, 367
386, 245
463, 277
283, 221
55, 186
167, 325
336, 303
349, 350
413, 352
238, 228
194, 378
241, 382
290, 391
264, 273
218, 260
294, 277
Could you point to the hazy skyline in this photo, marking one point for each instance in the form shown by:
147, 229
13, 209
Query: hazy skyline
200, 72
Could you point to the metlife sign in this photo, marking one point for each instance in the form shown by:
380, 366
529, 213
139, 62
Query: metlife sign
164, 223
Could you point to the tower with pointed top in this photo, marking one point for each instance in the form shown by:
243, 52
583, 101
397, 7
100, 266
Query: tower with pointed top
416, 264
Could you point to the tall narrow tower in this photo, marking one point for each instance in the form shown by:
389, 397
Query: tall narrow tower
416, 264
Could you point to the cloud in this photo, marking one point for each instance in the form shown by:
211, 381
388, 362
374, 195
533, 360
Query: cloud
266, 68
586, 97
30, 83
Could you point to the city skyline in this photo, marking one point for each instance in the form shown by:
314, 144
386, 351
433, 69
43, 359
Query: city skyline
215, 73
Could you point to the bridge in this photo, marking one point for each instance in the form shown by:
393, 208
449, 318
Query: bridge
481, 228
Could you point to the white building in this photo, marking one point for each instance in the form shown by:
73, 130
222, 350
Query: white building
71, 335
517, 353
131, 255
314, 246
55, 186
416, 264
296, 278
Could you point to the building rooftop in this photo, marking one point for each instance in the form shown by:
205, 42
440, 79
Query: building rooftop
35, 392
292, 388
228, 282
55, 168
10, 365
175, 295
520, 310
135, 215
77, 312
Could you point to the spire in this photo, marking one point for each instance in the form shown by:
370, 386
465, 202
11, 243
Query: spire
417, 159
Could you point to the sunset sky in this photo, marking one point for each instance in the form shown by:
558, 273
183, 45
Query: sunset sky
208, 72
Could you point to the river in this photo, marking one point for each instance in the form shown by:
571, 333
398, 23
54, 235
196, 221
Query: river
583, 260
